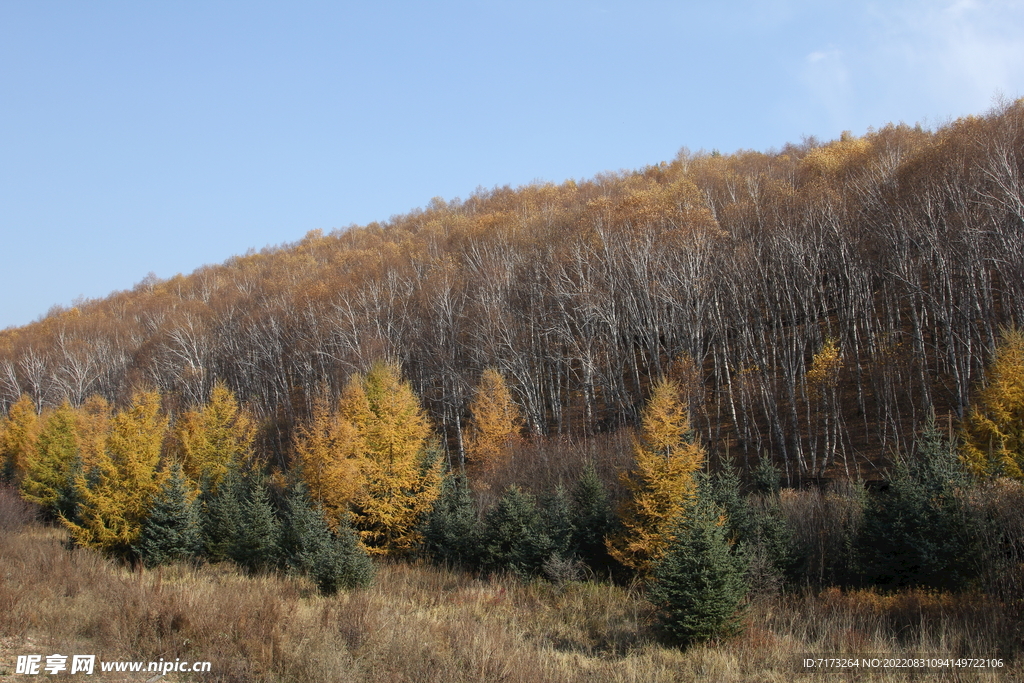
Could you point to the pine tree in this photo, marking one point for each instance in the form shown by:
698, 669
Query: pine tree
698, 583
452, 533
556, 509
994, 439
221, 517
53, 464
117, 491
215, 437
257, 546
661, 481
767, 478
171, 531
920, 531
402, 466
592, 519
514, 536
725, 491
333, 559
18, 432
495, 422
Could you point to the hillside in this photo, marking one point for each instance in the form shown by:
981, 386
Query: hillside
817, 301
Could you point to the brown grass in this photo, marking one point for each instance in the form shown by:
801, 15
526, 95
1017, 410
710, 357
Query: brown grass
420, 623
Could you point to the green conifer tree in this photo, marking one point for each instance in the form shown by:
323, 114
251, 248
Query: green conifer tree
335, 560
222, 518
699, 584
452, 531
592, 520
258, 544
170, 532
920, 531
514, 536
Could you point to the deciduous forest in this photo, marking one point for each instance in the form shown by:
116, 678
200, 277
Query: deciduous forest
802, 368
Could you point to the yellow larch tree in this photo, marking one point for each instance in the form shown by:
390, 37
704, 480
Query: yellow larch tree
495, 422
329, 451
49, 471
93, 426
401, 471
661, 482
215, 437
994, 429
116, 493
18, 433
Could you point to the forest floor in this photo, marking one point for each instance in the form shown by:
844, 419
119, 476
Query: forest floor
422, 623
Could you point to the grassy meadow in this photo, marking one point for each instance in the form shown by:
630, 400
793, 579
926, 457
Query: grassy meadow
422, 623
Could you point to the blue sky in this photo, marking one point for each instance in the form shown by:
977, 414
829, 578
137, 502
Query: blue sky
141, 137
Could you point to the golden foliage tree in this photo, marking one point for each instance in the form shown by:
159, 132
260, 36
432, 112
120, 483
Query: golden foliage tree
495, 421
401, 472
116, 494
661, 482
215, 437
329, 450
18, 432
994, 438
93, 424
49, 470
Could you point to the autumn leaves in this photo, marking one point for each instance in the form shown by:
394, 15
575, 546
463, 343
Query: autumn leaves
369, 460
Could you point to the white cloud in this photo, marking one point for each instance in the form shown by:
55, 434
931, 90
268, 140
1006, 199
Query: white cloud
956, 54
826, 76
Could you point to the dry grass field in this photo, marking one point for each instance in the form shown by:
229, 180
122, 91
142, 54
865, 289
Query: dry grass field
421, 623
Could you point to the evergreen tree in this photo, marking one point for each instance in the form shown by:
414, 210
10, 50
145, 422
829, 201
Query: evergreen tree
222, 517
333, 559
759, 533
171, 530
661, 481
452, 532
698, 584
767, 478
919, 531
725, 491
592, 519
514, 536
556, 509
258, 544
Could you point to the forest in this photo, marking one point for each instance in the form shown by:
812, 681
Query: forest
801, 367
